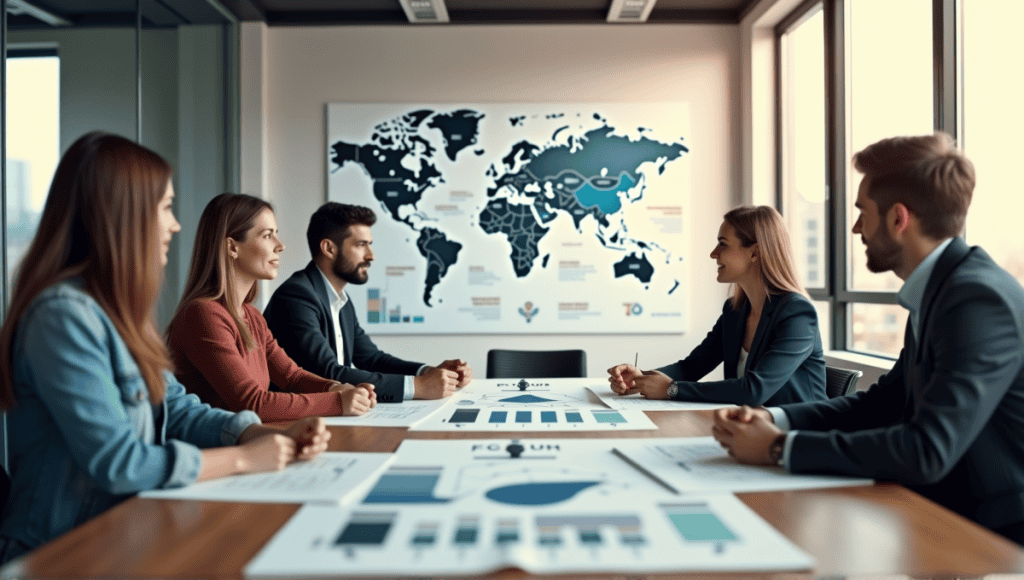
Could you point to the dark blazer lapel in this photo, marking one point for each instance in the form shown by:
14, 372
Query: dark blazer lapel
316, 280
762, 327
954, 253
735, 326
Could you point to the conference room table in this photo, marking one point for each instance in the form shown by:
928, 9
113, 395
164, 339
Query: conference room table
865, 531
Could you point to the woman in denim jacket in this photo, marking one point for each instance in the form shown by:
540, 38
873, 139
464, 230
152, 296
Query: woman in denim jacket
94, 415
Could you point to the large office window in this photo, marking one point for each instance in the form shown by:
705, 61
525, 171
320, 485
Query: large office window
887, 94
993, 128
33, 144
802, 126
876, 78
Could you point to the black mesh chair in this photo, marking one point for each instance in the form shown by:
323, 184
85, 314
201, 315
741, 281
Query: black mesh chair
536, 364
840, 382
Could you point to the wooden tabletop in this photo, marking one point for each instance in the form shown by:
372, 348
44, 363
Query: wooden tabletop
870, 530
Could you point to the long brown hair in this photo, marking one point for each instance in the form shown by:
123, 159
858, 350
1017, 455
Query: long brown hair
211, 276
762, 225
100, 223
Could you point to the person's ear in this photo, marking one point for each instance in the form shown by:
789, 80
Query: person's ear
328, 248
754, 252
232, 247
898, 218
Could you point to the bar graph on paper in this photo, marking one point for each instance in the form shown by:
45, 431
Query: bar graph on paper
532, 405
480, 419
715, 533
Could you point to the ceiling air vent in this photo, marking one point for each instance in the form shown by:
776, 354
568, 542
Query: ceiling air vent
425, 11
630, 10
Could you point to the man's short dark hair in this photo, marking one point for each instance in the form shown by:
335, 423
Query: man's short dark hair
927, 173
332, 222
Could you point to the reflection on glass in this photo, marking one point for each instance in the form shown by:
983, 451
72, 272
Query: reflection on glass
33, 147
803, 145
992, 125
889, 93
877, 328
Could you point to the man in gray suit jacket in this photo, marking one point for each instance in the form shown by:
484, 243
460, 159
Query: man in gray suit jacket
948, 420
315, 323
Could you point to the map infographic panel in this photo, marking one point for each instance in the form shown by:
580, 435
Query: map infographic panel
517, 218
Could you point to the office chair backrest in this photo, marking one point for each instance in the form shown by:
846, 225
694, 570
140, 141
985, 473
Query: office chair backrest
536, 364
840, 382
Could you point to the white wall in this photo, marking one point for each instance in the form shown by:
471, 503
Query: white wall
305, 68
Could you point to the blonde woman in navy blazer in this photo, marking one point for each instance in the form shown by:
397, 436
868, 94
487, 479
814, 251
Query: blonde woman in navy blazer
767, 335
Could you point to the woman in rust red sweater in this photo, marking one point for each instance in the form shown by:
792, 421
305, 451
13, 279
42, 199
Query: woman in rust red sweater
220, 344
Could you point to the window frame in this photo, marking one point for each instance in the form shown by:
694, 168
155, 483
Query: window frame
948, 117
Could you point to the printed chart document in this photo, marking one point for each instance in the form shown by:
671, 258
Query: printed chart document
543, 505
532, 405
331, 478
638, 402
700, 464
404, 414
713, 533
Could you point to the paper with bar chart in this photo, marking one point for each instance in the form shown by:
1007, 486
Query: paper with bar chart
542, 505
333, 477
531, 405
699, 464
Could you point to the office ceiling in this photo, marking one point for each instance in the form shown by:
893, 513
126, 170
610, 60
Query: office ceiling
170, 13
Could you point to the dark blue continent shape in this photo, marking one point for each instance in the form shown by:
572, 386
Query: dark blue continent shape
602, 150
393, 184
631, 265
521, 150
459, 129
441, 253
521, 228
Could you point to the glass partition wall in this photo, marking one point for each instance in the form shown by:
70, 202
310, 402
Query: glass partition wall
166, 80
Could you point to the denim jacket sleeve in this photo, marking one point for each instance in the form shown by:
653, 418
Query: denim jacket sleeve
72, 356
191, 420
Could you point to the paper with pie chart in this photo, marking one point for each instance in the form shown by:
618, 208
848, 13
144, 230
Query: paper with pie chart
532, 405
542, 505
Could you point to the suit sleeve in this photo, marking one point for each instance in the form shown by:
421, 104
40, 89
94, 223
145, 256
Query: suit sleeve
294, 317
211, 349
793, 331
366, 356
703, 359
879, 406
976, 347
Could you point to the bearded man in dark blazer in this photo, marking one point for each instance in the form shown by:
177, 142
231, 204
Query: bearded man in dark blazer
948, 420
313, 320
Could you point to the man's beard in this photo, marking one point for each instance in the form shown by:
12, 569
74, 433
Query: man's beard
883, 252
350, 272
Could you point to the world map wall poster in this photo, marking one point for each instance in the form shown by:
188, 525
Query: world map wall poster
517, 218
